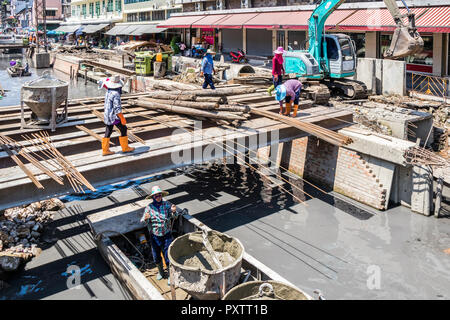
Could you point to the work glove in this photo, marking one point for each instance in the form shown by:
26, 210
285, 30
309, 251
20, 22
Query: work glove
122, 118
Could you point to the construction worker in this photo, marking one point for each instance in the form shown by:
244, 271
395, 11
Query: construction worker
277, 67
157, 215
290, 92
208, 69
113, 115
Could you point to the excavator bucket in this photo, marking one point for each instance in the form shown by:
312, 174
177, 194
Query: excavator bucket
405, 42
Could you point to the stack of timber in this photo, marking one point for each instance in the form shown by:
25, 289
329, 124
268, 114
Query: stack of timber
200, 104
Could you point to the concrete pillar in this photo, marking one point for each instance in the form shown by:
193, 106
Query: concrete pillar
422, 190
41, 60
244, 40
219, 39
371, 44
438, 57
274, 40
286, 40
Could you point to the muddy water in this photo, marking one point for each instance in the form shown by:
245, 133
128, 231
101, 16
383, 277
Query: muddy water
13, 85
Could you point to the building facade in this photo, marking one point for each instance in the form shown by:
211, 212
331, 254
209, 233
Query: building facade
260, 26
53, 13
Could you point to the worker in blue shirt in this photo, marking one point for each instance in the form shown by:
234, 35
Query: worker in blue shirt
208, 69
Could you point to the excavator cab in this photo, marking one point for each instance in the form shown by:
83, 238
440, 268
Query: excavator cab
340, 59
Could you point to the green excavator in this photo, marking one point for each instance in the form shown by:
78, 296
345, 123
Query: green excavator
331, 58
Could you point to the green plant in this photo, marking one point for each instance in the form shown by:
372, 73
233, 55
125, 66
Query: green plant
174, 46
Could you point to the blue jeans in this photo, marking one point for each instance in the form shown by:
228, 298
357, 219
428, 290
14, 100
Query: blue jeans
297, 97
208, 81
158, 244
278, 82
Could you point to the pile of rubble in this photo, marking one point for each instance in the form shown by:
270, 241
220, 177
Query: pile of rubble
20, 232
439, 110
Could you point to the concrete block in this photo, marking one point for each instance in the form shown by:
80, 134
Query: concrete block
379, 76
365, 72
394, 79
422, 190
41, 60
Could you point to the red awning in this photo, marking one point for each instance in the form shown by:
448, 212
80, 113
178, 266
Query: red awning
235, 21
209, 21
338, 16
374, 20
297, 20
179, 22
267, 20
436, 19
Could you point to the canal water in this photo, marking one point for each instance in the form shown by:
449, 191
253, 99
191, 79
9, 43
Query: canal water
12, 86
326, 241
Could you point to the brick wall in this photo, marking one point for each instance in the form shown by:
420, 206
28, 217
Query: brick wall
340, 169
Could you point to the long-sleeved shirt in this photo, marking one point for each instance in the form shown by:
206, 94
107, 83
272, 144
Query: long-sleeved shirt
292, 87
277, 68
207, 65
159, 222
113, 107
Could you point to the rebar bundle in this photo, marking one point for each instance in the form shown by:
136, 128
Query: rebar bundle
419, 155
46, 158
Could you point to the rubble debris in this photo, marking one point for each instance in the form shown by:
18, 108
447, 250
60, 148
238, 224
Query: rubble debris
21, 229
10, 263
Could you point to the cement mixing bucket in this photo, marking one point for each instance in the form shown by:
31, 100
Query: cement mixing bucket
191, 267
265, 290
41, 94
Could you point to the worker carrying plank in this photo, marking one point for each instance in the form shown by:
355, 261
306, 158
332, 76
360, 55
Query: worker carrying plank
290, 92
158, 215
113, 115
208, 69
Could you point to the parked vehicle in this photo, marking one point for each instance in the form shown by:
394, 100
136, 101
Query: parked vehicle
238, 56
198, 51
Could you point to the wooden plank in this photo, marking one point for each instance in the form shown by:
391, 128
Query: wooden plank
93, 134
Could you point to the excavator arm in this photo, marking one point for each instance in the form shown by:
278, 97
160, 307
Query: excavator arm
406, 40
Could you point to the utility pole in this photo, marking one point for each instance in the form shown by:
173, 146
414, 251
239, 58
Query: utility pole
39, 9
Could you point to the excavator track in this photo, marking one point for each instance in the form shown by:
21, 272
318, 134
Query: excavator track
352, 89
316, 91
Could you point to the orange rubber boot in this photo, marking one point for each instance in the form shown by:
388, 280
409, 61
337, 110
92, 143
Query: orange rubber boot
295, 110
105, 147
288, 109
124, 144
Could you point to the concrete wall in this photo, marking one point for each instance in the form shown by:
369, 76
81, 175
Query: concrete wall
382, 76
365, 72
394, 77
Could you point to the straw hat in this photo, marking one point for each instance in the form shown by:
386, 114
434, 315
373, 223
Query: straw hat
113, 82
279, 50
211, 52
156, 190
280, 92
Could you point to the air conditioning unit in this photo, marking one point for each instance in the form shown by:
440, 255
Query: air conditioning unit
198, 6
244, 3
